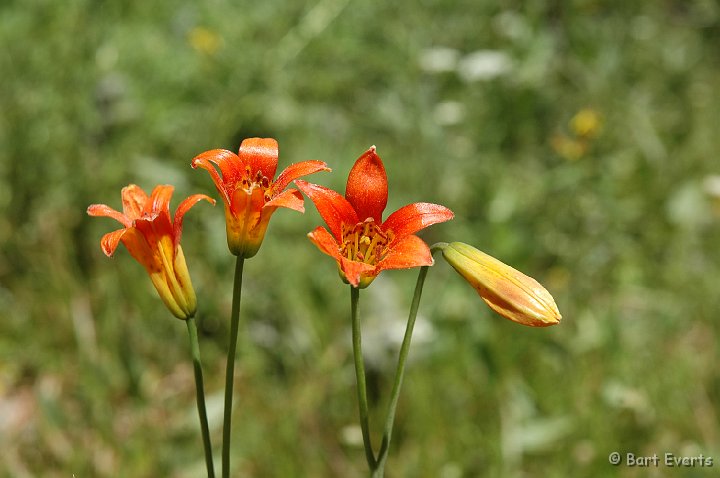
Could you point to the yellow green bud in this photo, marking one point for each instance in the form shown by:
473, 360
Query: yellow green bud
506, 290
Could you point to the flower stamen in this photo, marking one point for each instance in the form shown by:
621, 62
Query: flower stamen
364, 242
250, 182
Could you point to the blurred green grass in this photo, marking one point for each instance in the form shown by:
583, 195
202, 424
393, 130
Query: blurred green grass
470, 105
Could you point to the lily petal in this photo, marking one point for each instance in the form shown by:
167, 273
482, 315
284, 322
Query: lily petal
414, 217
367, 186
408, 251
354, 270
261, 154
297, 170
133, 200
137, 245
325, 242
229, 165
110, 241
183, 208
102, 210
291, 199
334, 209
160, 200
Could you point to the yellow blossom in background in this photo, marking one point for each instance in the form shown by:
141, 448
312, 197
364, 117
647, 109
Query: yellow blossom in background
568, 148
586, 123
585, 126
204, 40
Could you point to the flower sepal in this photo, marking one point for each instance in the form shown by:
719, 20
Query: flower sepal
176, 290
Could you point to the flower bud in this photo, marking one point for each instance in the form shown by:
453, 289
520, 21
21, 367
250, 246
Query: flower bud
507, 291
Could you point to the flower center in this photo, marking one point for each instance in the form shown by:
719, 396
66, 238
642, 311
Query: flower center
249, 182
364, 242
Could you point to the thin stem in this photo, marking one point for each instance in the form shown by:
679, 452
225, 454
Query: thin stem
230, 368
399, 374
360, 375
200, 392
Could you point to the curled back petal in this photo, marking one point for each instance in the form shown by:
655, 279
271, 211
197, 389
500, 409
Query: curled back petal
102, 210
230, 164
367, 186
261, 154
295, 171
414, 217
334, 209
230, 167
134, 200
183, 208
110, 241
291, 199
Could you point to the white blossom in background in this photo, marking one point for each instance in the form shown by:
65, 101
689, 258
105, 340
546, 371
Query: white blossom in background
484, 65
447, 113
439, 60
711, 185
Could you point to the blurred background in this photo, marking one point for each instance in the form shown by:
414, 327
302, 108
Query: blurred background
577, 141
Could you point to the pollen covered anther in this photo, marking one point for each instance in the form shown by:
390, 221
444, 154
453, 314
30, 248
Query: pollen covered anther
250, 182
364, 242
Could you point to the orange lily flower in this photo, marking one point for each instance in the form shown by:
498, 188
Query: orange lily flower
153, 239
249, 192
361, 243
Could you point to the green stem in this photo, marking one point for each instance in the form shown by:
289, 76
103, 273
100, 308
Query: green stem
230, 368
360, 375
399, 374
200, 392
